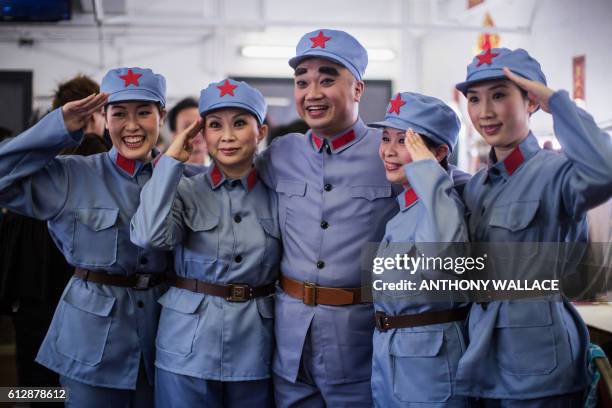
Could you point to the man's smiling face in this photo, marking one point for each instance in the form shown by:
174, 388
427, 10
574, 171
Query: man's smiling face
326, 96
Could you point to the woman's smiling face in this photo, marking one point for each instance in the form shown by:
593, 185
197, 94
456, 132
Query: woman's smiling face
134, 127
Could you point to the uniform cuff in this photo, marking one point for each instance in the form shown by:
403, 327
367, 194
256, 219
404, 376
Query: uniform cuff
559, 100
76, 136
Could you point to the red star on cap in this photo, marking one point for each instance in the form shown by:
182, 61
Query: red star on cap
227, 88
319, 40
486, 57
396, 104
130, 78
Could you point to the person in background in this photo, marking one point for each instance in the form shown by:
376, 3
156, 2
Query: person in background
33, 271
180, 117
5, 133
297, 126
95, 139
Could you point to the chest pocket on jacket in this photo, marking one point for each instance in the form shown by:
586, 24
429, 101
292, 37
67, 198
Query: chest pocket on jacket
95, 236
513, 223
371, 193
85, 324
421, 371
514, 216
290, 194
364, 203
202, 243
291, 188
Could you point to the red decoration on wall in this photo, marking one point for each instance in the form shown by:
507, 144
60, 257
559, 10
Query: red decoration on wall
474, 3
487, 40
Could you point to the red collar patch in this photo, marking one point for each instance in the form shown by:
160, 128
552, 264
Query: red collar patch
130, 78
227, 88
343, 140
410, 197
251, 179
337, 143
486, 57
216, 176
396, 104
319, 40
127, 165
317, 141
514, 160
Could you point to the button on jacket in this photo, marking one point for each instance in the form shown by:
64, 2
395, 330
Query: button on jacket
222, 231
98, 333
431, 211
533, 349
347, 189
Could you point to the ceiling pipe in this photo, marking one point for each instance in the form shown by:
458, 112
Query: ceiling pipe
183, 24
99, 19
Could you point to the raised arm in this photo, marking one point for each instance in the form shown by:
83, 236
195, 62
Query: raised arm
444, 210
158, 221
587, 179
32, 181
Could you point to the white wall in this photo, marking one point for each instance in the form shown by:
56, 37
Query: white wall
429, 61
192, 56
561, 29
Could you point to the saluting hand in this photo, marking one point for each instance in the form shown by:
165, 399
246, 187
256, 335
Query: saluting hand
416, 147
536, 91
181, 146
76, 113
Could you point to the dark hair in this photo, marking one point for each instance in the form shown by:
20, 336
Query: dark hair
245, 111
5, 133
158, 104
434, 145
77, 88
297, 126
181, 105
524, 94
91, 144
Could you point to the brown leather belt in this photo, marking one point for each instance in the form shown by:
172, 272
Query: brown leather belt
385, 322
138, 281
232, 292
312, 294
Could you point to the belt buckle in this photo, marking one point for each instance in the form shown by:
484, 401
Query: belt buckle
143, 281
380, 318
239, 292
309, 294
